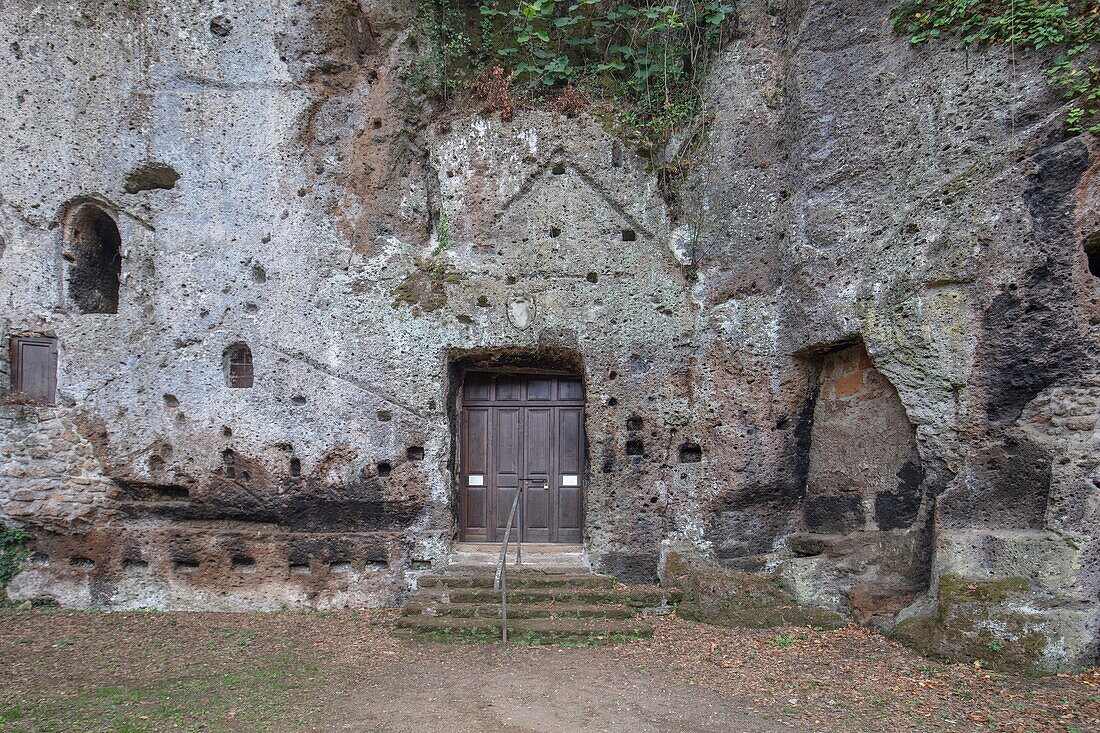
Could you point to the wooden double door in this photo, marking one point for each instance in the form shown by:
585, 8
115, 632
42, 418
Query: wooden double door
521, 430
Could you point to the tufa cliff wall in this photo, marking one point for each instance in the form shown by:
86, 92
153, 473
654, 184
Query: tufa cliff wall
857, 353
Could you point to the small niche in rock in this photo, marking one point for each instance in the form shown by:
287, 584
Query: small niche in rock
226, 431
298, 400
259, 274
229, 463
376, 123
384, 416
612, 374
635, 448
151, 176
94, 247
244, 564
482, 301
629, 235
299, 568
510, 279
79, 561
612, 402
376, 566
415, 453
245, 477
185, 566
421, 564
592, 277
558, 169
170, 400
135, 567
555, 232
295, 467
221, 26
237, 365
170, 493
1092, 250
341, 567
384, 469
39, 558
156, 464
634, 423
691, 453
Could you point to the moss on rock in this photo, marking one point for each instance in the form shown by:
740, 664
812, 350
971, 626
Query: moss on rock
717, 595
426, 286
979, 620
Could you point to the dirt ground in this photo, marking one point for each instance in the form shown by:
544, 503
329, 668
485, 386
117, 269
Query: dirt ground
91, 672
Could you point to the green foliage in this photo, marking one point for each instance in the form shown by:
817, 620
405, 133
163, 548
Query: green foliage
646, 57
444, 241
443, 27
781, 641
13, 551
1070, 26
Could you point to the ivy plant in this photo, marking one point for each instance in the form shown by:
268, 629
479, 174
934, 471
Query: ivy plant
13, 551
1070, 27
644, 57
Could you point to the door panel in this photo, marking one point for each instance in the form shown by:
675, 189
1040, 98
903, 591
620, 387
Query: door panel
505, 478
529, 430
538, 460
570, 472
475, 507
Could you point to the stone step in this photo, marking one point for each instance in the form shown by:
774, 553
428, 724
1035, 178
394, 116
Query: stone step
524, 631
516, 579
632, 596
525, 610
529, 548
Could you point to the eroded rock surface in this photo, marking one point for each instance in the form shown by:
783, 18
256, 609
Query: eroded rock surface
856, 354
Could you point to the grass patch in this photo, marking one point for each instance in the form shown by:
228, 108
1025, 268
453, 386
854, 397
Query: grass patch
253, 698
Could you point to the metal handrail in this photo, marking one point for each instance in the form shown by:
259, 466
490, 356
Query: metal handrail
500, 582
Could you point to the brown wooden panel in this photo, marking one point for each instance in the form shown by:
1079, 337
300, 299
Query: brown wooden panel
34, 368
569, 514
478, 387
570, 389
539, 389
570, 462
537, 438
536, 513
474, 512
570, 442
477, 440
510, 389
506, 444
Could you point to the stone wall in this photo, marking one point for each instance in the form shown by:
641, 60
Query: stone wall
862, 267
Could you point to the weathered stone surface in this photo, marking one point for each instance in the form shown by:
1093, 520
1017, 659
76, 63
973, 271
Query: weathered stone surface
868, 311
719, 595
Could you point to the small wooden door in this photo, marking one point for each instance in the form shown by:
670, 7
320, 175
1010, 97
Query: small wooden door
521, 430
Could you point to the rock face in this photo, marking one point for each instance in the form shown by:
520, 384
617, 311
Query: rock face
858, 352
